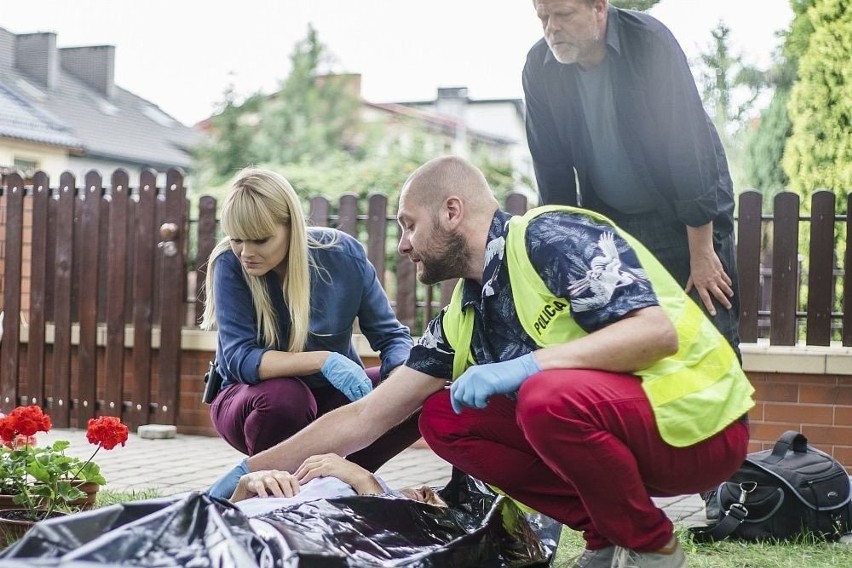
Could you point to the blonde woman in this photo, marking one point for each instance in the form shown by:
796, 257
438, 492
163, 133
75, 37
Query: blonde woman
283, 299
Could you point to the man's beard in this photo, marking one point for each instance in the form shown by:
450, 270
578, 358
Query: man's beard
575, 51
448, 258
566, 54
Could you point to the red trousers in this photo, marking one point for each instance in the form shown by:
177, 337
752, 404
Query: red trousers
582, 447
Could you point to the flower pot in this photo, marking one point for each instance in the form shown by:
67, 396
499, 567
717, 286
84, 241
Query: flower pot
14, 524
85, 503
90, 488
6, 502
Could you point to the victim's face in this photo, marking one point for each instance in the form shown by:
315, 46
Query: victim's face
423, 495
572, 28
438, 254
259, 256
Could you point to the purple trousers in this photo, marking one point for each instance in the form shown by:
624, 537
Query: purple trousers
253, 418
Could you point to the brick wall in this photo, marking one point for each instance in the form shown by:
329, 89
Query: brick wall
818, 406
804, 389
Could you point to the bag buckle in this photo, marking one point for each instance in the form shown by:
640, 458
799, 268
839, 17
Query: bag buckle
746, 487
737, 511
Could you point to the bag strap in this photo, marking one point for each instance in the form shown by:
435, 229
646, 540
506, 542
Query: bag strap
731, 519
788, 440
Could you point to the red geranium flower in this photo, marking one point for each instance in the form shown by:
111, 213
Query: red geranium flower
106, 432
7, 430
24, 421
42, 478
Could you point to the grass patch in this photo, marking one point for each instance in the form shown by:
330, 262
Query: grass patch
103, 499
115, 497
806, 552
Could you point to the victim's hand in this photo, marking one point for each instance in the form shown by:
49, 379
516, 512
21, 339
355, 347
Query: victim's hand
266, 483
332, 465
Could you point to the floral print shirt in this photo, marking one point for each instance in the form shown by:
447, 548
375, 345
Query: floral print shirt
578, 258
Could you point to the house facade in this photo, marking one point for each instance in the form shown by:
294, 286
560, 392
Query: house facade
453, 123
499, 121
60, 110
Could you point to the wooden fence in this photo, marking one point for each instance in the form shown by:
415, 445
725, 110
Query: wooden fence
792, 288
93, 275
98, 274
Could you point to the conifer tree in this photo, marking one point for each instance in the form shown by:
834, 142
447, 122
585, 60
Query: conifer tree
818, 153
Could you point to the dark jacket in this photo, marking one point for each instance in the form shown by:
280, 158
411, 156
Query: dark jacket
665, 130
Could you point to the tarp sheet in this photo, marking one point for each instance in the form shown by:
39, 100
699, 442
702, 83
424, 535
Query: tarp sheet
478, 528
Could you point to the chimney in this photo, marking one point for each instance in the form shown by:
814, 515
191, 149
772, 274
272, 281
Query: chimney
94, 65
35, 56
452, 101
7, 49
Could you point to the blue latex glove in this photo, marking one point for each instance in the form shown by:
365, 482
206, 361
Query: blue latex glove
478, 383
347, 376
227, 484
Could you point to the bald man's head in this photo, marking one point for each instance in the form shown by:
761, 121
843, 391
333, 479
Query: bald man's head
445, 211
436, 180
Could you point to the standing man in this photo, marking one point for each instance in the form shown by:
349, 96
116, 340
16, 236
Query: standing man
599, 386
615, 124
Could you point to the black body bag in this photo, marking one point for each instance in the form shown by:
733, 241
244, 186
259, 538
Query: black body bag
780, 494
478, 528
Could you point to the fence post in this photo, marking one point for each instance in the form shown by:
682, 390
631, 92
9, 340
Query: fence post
206, 243
785, 269
748, 262
516, 203
143, 289
406, 291
377, 233
117, 281
820, 269
60, 403
347, 214
847, 281
171, 249
10, 347
89, 203
318, 213
38, 289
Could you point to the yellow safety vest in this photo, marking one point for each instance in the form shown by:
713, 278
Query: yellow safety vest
694, 393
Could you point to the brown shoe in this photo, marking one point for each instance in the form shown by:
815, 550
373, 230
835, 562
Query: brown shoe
600, 558
670, 556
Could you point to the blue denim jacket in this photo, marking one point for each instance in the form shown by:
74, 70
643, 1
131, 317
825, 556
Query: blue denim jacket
344, 286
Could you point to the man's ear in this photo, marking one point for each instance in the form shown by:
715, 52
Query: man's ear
454, 210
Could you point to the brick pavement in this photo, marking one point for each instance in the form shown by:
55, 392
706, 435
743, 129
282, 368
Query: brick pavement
189, 463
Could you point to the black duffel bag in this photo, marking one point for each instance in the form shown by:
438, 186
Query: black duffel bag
780, 494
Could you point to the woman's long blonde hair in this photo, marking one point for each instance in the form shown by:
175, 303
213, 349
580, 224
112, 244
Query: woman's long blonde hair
258, 202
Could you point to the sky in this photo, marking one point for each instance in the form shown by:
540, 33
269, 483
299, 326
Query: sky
183, 54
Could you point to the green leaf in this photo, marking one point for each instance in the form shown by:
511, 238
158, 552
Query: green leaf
61, 445
92, 472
